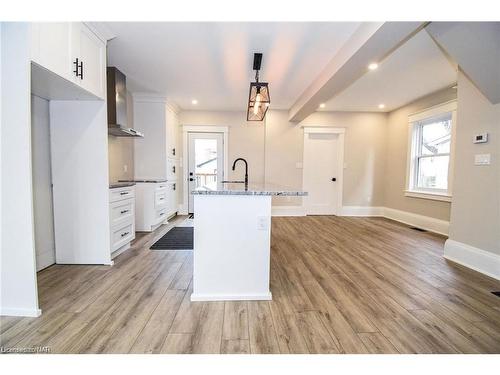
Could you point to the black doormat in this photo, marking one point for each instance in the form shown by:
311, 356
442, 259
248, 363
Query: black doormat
178, 238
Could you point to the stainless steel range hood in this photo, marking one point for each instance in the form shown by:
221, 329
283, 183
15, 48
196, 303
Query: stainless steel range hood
117, 105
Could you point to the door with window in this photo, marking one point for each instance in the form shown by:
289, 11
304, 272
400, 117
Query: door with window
205, 161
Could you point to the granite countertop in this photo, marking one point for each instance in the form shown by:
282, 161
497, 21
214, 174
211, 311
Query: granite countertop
250, 189
151, 180
120, 184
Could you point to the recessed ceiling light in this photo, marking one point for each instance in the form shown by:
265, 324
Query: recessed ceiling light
381, 106
322, 105
194, 101
373, 66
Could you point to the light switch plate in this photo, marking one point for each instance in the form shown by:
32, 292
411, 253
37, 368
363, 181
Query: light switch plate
482, 159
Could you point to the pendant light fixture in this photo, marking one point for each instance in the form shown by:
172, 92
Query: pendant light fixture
258, 98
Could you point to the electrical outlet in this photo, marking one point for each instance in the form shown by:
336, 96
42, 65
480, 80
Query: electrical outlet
262, 222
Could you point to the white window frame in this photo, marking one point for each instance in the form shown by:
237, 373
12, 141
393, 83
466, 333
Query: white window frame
414, 121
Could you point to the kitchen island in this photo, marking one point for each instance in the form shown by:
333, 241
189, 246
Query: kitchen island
232, 241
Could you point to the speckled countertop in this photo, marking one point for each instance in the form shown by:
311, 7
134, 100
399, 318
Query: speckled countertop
250, 189
148, 180
114, 185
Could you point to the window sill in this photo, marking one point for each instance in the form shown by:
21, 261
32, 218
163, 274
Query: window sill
428, 195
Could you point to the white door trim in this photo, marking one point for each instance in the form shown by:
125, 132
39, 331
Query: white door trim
340, 159
183, 210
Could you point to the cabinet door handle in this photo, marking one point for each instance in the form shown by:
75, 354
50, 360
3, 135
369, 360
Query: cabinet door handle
76, 66
124, 234
174, 187
124, 211
81, 70
173, 169
173, 151
124, 193
163, 213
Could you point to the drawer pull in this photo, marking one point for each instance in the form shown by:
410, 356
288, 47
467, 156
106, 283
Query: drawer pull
173, 151
124, 193
163, 213
173, 169
162, 199
124, 211
124, 234
174, 187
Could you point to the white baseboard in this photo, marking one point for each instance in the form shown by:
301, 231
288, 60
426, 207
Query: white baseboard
31, 313
473, 257
287, 211
231, 297
362, 211
45, 259
424, 222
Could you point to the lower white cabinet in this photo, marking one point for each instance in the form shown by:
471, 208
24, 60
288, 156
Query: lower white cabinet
121, 218
154, 204
172, 197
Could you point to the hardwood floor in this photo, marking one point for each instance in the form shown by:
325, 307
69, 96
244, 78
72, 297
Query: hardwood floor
340, 285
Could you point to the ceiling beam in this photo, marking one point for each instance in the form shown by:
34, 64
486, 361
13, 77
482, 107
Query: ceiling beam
475, 47
371, 42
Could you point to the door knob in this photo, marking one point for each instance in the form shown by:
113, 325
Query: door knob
334, 179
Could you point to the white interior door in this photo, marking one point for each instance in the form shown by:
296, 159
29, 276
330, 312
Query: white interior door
205, 161
322, 172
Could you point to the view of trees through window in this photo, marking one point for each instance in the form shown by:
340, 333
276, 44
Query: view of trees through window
433, 153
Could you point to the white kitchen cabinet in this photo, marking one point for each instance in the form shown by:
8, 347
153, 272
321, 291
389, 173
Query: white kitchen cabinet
71, 51
172, 169
155, 155
153, 204
51, 47
88, 52
121, 218
172, 198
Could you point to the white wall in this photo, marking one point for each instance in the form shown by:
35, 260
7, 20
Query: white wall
79, 154
42, 181
396, 162
18, 275
475, 209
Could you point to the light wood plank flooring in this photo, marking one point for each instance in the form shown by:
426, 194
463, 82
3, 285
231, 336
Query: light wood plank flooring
340, 285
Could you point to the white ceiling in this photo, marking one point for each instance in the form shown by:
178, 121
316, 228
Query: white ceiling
212, 62
415, 69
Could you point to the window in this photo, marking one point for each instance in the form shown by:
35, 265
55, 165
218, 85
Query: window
430, 156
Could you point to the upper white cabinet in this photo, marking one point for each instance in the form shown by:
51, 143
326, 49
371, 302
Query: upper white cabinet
155, 155
51, 43
71, 51
88, 56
